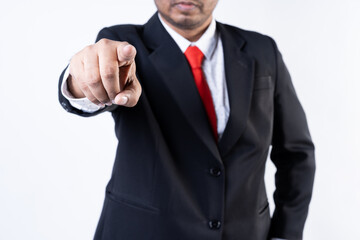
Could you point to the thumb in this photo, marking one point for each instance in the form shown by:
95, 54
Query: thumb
130, 95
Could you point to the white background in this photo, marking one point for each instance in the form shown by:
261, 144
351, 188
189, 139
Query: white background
54, 166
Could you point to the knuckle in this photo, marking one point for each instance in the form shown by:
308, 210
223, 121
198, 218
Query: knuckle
111, 94
92, 78
104, 100
90, 97
87, 52
108, 73
89, 48
103, 42
77, 56
93, 82
93, 100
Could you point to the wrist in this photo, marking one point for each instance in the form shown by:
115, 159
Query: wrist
73, 88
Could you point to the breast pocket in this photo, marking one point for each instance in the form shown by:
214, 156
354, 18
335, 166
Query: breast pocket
262, 83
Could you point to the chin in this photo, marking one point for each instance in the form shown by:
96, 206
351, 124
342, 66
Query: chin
186, 22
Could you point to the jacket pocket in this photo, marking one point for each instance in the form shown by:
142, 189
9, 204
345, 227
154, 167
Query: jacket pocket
133, 203
262, 83
263, 208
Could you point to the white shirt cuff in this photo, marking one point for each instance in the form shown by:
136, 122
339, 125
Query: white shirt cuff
82, 104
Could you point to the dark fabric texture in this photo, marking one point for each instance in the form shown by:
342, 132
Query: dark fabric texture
171, 180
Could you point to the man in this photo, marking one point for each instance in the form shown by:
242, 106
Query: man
196, 105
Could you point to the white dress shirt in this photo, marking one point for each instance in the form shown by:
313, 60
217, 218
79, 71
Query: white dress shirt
213, 67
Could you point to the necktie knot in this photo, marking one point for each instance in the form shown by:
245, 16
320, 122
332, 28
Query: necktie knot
194, 56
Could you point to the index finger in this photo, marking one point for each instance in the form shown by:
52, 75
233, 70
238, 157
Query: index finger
126, 54
109, 71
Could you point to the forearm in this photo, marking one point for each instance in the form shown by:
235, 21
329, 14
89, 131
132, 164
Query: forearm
74, 89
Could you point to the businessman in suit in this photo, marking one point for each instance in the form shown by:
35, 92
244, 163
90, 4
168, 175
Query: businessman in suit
197, 105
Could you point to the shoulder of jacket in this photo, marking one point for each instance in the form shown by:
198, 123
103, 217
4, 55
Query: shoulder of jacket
246, 34
125, 28
121, 32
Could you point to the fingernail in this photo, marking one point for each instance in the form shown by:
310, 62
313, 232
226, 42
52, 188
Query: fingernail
101, 105
123, 100
108, 103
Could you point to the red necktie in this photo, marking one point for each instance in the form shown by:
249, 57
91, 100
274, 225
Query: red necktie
195, 58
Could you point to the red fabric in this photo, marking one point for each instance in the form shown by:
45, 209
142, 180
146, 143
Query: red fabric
195, 58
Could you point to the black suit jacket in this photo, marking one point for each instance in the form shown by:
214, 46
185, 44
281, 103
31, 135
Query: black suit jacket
171, 180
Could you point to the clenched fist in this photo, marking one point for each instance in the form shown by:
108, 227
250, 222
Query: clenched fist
105, 73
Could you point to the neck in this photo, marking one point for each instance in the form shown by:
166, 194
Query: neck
190, 34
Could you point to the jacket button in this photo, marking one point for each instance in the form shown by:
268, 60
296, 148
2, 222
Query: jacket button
215, 172
214, 224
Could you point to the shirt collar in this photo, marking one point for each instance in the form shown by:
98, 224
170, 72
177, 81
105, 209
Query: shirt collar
206, 43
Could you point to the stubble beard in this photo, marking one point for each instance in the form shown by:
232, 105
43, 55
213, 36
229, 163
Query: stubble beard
185, 24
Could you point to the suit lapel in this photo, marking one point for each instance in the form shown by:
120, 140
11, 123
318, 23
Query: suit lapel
239, 72
175, 73
177, 76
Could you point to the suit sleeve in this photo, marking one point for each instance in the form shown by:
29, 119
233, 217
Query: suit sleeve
104, 33
293, 155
